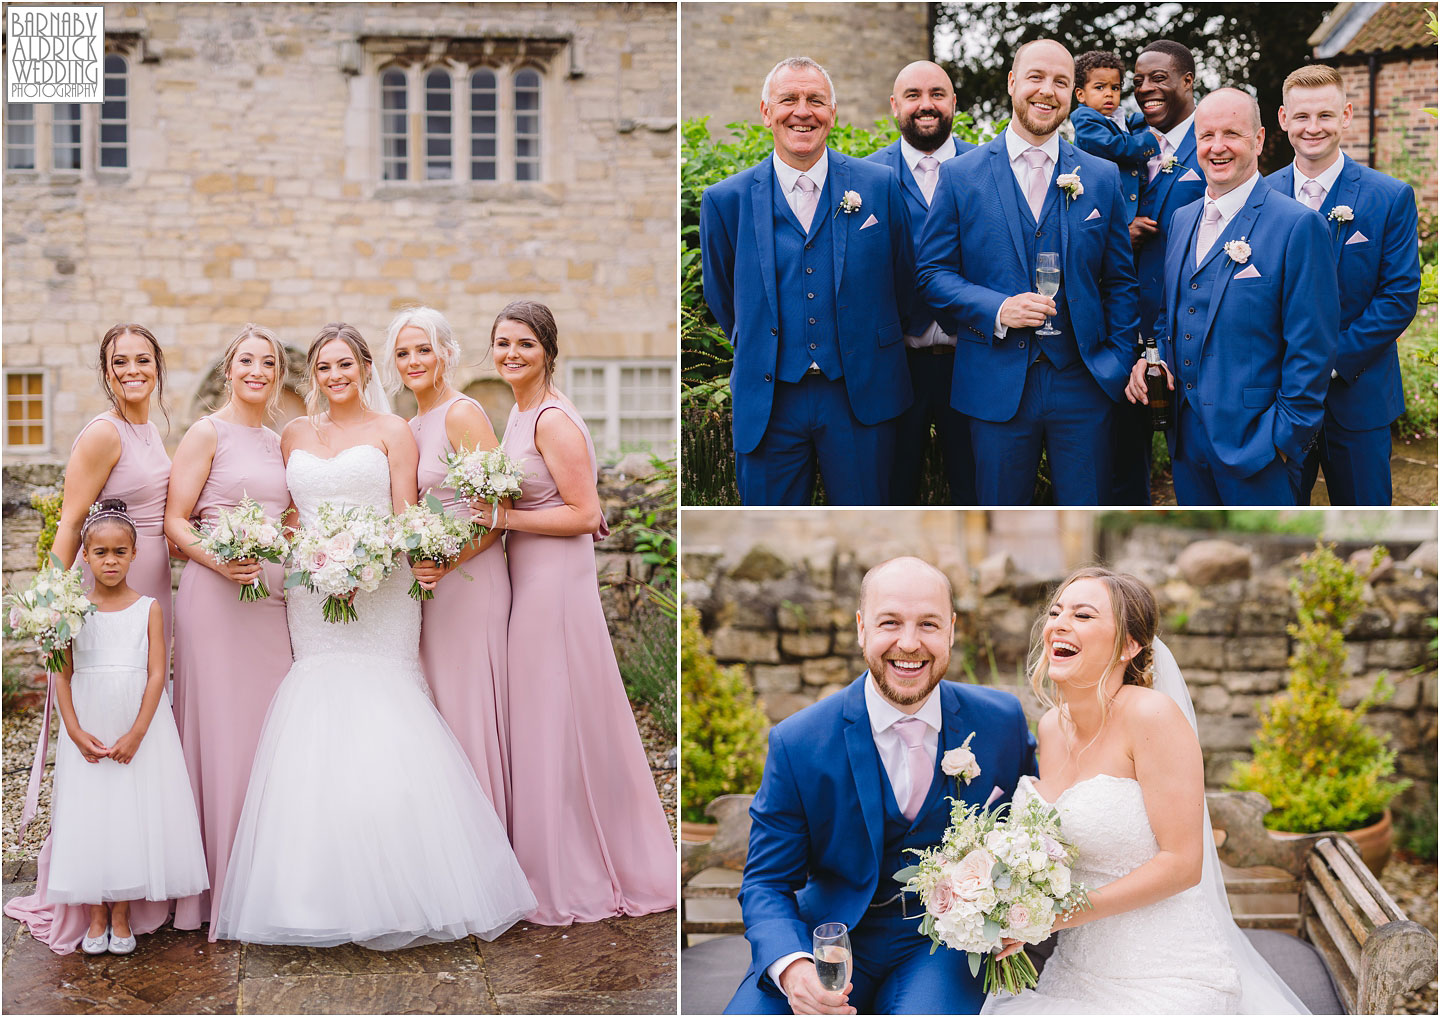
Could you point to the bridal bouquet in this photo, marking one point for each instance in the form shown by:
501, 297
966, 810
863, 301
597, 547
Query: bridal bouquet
426, 533
51, 610
484, 475
245, 531
345, 551
996, 873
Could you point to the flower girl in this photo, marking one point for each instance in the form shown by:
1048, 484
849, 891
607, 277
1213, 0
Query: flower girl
123, 817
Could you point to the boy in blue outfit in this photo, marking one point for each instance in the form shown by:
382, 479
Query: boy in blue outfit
1102, 130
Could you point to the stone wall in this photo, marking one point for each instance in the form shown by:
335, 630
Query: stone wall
728, 48
1224, 609
1403, 88
253, 194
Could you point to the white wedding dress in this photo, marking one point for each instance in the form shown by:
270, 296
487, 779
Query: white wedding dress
363, 821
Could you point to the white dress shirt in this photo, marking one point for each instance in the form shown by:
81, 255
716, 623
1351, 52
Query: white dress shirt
1015, 148
1326, 179
934, 335
1176, 134
891, 748
788, 175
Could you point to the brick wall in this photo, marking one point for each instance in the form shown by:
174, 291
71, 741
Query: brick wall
1403, 89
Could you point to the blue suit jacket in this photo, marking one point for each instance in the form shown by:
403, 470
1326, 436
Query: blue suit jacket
1160, 200
1266, 348
972, 258
818, 820
874, 288
1378, 265
1130, 150
892, 157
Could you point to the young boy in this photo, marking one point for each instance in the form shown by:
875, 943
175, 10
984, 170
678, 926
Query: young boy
1101, 130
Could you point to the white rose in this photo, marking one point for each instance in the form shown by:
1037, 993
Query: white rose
971, 875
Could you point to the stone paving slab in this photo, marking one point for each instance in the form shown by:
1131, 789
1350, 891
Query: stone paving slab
393, 992
645, 1001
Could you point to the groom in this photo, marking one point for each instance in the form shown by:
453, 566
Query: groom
853, 781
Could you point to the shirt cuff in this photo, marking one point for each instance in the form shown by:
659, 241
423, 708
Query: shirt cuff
1000, 329
778, 968
1334, 373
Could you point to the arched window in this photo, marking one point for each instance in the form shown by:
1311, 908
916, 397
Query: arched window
65, 136
394, 132
439, 121
527, 124
115, 115
484, 125
20, 136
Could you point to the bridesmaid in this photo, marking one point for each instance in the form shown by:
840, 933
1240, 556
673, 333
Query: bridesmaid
585, 820
221, 695
118, 454
463, 629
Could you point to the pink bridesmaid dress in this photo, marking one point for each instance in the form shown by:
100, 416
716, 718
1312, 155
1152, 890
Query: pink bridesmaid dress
586, 822
463, 630
230, 656
140, 478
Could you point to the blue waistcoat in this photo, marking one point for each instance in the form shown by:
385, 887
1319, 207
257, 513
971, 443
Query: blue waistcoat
900, 833
1196, 287
1061, 349
805, 287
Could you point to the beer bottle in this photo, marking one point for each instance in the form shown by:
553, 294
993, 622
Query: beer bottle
1157, 390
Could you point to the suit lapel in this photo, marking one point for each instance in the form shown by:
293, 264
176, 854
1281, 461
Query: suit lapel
1183, 225
763, 188
864, 764
1004, 180
1243, 225
1164, 181
839, 183
1065, 158
908, 183
1345, 192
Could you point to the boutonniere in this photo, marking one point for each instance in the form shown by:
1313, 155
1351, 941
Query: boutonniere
960, 762
1070, 184
1238, 250
849, 203
1342, 213
1168, 164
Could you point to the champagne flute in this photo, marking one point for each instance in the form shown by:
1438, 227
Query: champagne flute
832, 955
1047, 283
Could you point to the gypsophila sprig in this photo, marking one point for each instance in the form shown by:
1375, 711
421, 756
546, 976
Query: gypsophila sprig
245, 531
346, 550
51, 610
486, 475
427, 533
996, 873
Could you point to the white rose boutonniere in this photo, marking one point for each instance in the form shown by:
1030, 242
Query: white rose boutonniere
960, 762
1238, 251
1070, 184
1342, 213
849, 203
1168, 164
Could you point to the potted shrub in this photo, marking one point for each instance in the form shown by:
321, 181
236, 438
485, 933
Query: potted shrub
1318, 762
722, 730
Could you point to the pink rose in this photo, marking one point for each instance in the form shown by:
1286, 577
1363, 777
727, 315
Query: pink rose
318, 558
1018, 917
1053, 850
971, 875
15, 617
942, 898
342, 545
367, 575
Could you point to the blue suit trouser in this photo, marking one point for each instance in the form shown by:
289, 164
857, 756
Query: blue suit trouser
1064, 412
895, 972
1202, 479
931, 370
811, 422
1356, 465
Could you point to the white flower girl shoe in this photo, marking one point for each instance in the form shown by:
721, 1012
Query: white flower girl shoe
99, 944
122, 944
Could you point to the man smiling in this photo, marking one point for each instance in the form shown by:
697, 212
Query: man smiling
1372, 220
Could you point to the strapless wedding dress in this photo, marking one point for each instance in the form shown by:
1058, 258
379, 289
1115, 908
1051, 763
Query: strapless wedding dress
363, 821
1167, 957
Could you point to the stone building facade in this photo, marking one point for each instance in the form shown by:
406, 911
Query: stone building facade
728, 48
294, 164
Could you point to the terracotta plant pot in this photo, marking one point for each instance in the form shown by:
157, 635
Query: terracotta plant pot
1375, 842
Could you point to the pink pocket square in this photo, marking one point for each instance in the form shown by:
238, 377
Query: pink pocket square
1190, 175
872, 221
1094, 214
1357, 238
1248, 272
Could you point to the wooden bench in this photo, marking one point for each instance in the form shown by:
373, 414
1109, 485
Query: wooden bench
1343, 924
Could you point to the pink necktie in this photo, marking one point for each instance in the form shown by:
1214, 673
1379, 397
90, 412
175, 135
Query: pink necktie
1209, 230
929, 168
919, 762
809, 196
1039, 164
1159, 159
1314, 193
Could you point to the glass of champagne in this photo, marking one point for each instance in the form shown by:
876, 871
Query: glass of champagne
1047, 283
832, 955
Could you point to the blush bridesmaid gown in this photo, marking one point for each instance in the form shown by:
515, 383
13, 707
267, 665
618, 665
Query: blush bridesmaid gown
140, 478
587, 824
463, 629
230, 656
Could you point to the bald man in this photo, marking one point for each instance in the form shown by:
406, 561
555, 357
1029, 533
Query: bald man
923, 102
1250, 325
850, 784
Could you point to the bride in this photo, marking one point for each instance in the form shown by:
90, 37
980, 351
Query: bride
1119, 759
363, 821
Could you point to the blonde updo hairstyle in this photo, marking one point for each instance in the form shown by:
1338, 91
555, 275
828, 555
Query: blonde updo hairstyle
350, 336
435, 327
250, 330
1136, 616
